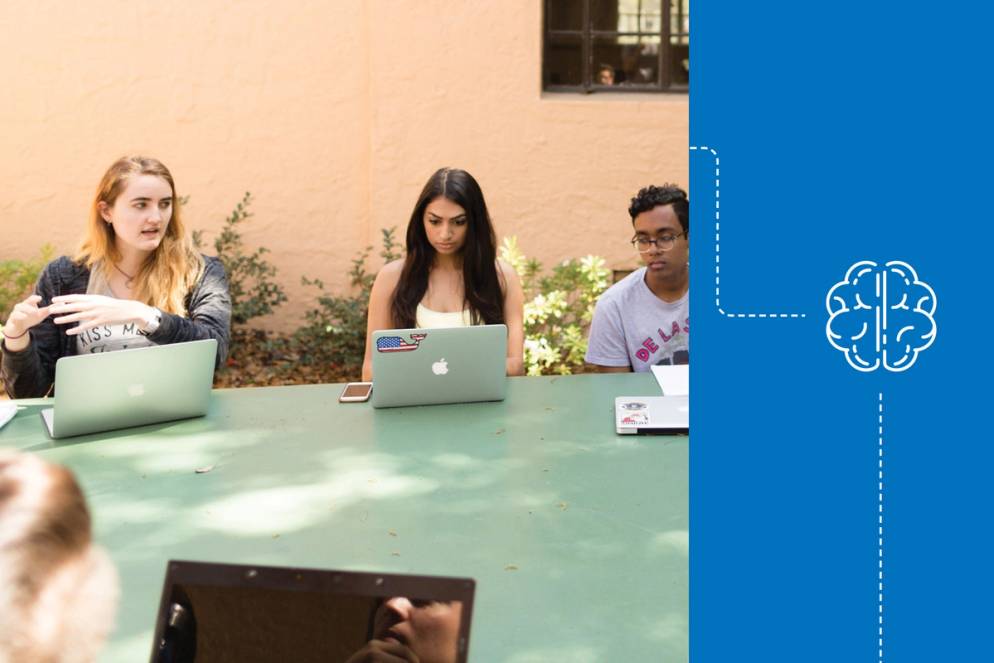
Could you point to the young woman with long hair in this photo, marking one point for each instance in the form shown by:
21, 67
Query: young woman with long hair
135, 281
451, 276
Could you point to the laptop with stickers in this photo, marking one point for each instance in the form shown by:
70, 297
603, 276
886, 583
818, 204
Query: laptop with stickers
216, 613
652, 415
110, 390
435, 366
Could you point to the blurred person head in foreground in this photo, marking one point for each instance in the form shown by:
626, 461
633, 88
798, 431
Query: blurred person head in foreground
58, 590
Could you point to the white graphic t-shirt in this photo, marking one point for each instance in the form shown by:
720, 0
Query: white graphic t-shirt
107, 338
633, 327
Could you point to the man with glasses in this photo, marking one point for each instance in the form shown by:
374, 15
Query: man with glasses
644, 319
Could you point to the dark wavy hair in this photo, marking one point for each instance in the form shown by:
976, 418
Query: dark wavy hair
484, 296
668, 194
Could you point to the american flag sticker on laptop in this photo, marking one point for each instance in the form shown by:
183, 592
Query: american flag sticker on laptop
398, 344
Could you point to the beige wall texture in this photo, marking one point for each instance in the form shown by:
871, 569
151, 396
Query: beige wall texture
333, 114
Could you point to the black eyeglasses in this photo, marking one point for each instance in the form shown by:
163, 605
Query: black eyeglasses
664, 243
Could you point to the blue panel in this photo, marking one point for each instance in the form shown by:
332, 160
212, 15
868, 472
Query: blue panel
843, 133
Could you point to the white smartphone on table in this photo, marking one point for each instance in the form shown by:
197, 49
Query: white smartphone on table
356, 392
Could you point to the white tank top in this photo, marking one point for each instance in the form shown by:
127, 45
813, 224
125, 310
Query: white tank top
425, 318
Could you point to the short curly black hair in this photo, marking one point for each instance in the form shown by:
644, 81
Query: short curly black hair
668, 194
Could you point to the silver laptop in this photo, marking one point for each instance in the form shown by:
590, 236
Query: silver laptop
111, 390
433, 366
221, 613
652, 415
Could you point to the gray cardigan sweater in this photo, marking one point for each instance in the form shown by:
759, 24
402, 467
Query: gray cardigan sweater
31, 372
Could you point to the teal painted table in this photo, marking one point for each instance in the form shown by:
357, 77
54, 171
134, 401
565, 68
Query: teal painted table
577, 537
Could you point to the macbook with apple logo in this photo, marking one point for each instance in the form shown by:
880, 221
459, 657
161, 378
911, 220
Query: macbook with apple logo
110, 390
435, 366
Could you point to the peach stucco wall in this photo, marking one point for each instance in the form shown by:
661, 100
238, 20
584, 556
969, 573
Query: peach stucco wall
332, 114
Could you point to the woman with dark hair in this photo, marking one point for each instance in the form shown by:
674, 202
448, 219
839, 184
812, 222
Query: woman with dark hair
451, 276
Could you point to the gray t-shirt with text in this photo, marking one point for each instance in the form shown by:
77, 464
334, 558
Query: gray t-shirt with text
633, 327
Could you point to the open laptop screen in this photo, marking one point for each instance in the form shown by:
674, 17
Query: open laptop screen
211, 613
435, 366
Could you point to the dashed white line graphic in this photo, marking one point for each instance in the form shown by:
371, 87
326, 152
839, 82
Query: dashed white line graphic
717, 244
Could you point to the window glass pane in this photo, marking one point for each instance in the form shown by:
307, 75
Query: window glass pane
565, 14
634, 60
680, 21
679, 60
652, 22
626, 15
563, 61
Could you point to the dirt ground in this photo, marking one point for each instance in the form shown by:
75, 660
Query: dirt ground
262, 359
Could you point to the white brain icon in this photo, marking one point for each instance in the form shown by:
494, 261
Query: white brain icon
881, 316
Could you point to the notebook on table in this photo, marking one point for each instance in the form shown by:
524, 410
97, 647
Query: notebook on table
216, 613
434, 366
7, 412
110, 390
652, 415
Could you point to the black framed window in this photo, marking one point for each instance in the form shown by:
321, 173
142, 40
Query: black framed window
616, 46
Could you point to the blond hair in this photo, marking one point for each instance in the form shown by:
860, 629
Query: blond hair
58, 591
172, 270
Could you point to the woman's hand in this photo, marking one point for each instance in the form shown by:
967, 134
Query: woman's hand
25, 315
95, 310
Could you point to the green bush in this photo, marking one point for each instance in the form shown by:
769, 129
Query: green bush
334, 333
253, 292
17, 279
558, 308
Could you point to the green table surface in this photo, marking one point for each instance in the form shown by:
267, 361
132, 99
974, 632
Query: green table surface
577, 537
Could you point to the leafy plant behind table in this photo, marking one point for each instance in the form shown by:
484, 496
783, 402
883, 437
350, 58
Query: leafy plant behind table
334, 334
17, 279
254, 293
558, 308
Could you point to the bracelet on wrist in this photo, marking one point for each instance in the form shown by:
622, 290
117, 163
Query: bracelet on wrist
11, 338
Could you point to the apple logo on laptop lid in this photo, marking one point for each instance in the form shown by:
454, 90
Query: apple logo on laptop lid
440, 367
